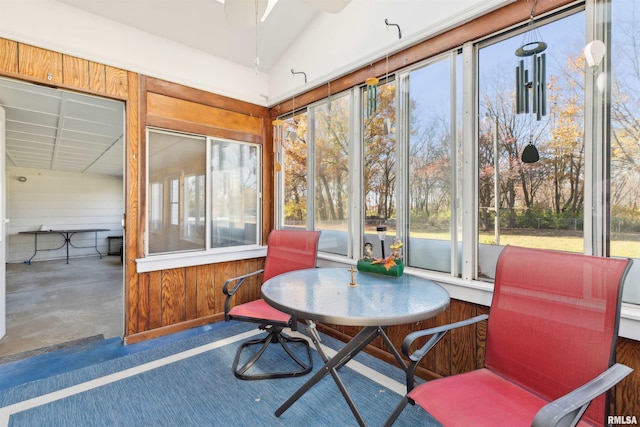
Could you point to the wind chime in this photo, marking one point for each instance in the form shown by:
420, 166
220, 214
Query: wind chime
532, 80
278, 137
372, 95
372, 82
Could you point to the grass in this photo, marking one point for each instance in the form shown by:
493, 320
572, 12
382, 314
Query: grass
622, 244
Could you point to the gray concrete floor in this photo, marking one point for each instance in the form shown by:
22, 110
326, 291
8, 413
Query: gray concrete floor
51, 302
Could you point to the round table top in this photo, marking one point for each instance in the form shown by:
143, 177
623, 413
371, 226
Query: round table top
325, 295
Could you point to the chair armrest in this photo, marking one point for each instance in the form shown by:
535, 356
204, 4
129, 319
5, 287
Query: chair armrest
568, 409
438, 332
231, 292
240, 280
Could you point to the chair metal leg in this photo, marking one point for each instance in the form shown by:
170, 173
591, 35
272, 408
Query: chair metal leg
274, 336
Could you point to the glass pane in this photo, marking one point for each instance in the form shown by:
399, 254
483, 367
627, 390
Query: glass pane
379, 138
194, 204
332, 174
294, 147
430, 167
625, 140
234, 194
173, 159
537, 204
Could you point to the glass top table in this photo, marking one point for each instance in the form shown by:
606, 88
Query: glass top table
347, 297
325, 295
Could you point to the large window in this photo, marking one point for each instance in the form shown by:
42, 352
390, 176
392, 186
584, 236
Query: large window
431, 164
624, 226
538, 204
434, 153
331, 124
320, 133
178, 197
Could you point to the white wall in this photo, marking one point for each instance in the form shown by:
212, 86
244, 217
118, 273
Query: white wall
336, 44
61, 200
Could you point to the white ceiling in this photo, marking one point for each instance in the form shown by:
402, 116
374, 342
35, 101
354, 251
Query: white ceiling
201, 25
58, 130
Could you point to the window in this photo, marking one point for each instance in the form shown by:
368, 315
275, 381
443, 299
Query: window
431, 164
315, 146
537, 204
235, 194
295, 170
380, 153
624, 192
411, 141
177, 198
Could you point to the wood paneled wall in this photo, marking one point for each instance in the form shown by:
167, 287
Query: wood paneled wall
462, 350
175, 299
165, 301
26, 62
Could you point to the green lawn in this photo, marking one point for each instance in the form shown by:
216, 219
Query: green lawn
622, 244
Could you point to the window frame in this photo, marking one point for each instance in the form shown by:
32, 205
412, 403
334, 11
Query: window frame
158, 261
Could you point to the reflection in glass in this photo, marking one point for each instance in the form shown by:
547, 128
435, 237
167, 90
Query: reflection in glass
234, 191
176, 167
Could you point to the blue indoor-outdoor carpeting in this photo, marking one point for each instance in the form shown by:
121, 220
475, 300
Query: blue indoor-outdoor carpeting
189, 382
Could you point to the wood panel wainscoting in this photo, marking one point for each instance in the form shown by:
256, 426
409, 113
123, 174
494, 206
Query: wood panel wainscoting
462, 350
171, 300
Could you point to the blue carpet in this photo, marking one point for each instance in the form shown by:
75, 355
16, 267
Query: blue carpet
183, 383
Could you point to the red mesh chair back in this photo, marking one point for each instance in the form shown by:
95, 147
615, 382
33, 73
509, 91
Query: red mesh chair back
553, 324
289, 250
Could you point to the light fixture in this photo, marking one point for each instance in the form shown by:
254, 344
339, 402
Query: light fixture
382, 234
594, 53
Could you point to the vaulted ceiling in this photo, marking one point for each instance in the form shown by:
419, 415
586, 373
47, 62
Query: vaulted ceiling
59, 130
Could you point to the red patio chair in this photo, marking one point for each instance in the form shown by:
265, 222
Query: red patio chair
287, 250
550, 349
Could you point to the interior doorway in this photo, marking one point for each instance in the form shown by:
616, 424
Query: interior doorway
64, 171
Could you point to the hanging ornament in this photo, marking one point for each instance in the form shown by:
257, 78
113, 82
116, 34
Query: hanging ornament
532, 79
278, 136
530, 153
372, 95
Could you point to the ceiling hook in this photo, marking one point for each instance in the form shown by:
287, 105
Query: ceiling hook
300, 72
386, 21
535, 2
